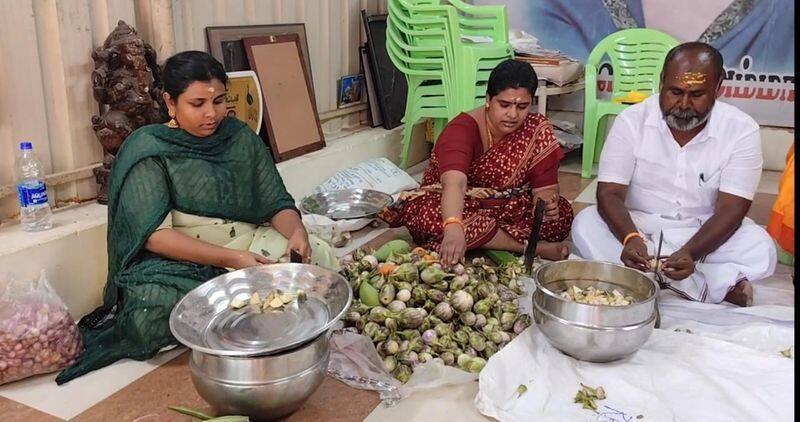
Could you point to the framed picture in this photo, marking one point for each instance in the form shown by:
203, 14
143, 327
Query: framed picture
225, 43
290, 109
369, 84
351, 89
390, 82
244, 98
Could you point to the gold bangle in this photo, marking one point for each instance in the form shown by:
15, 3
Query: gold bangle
452, 220
630, 236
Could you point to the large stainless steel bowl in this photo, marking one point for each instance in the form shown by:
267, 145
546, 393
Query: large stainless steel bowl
263, 388
203, 320
594, 333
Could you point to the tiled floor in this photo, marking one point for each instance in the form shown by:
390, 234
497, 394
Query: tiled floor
148, 399
146, 392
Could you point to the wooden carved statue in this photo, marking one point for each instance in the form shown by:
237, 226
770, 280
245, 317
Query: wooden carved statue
127, 83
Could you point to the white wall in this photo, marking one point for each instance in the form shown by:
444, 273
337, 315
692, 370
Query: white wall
46, 45
74, 254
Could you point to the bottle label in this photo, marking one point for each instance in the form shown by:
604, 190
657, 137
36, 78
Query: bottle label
32, 194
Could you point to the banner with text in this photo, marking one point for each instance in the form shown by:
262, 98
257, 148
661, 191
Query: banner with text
755, 37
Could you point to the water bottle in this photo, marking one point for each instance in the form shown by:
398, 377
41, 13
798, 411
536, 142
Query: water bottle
35, 213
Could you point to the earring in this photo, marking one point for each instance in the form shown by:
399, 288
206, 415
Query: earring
172, 124
486, 106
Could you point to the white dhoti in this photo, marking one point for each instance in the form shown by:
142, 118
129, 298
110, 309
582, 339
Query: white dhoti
749, 254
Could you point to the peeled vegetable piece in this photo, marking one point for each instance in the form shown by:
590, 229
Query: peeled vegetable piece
594, 296
274, 300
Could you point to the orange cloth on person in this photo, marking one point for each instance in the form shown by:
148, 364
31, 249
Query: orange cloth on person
781, 223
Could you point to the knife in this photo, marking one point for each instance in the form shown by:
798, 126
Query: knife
533, 239
660, 279
295, 257
658, 251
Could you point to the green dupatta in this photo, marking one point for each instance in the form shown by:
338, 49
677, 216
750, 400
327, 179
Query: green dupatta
228, 175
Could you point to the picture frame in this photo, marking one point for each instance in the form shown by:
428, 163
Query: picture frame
289, 102
369, 84
225, 43
245, 99
350, 90
390, 83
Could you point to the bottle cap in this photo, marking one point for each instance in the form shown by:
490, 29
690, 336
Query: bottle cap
25, 146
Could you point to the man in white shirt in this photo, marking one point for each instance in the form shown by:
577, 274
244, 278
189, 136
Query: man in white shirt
682, 164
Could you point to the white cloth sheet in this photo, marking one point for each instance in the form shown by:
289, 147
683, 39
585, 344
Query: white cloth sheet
766, 328
727, 368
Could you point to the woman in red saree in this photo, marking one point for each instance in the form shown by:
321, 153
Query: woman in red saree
486, 170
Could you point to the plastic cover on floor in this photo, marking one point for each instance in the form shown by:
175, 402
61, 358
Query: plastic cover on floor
355, 362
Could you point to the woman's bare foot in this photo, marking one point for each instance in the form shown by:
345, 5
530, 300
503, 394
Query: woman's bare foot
553, 251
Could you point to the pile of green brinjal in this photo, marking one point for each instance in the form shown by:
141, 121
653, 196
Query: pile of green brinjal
415, 310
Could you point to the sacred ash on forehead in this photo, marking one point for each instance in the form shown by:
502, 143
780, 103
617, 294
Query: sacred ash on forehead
211, 89
692, 78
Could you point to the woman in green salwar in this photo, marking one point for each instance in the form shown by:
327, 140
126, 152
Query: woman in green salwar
188, 200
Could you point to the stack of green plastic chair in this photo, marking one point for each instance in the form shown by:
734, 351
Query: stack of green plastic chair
426, 68
428, 87
446, 74
637, 57
785, 257
472, 61
429, 34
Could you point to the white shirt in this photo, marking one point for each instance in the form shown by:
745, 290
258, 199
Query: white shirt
677, 182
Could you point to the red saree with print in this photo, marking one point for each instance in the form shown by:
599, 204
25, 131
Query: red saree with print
500, 185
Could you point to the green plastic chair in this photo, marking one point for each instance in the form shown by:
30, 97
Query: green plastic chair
637, 57
469, 58
446, 74
489, 21
429, 93
421, 14
785, 257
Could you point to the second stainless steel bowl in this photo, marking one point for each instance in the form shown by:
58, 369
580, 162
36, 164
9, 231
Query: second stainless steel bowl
261, 387
594, 333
